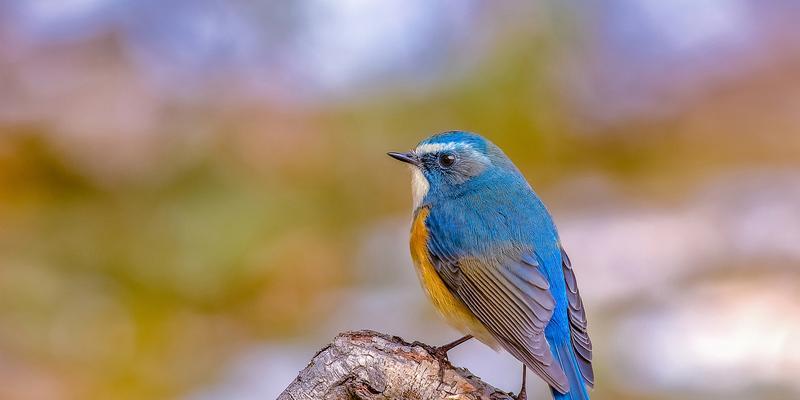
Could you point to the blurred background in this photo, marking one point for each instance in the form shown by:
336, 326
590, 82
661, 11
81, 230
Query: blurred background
195, 196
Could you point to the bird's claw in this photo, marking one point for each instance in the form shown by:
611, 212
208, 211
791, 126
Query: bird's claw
522, 394
440, 353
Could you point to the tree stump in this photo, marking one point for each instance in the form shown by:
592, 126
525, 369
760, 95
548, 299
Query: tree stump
373, 366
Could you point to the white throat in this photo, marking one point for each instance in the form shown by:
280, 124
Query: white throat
419, 186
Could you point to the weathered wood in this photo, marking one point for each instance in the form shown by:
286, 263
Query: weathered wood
368, 365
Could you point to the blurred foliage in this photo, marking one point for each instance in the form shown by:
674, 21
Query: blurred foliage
137, 276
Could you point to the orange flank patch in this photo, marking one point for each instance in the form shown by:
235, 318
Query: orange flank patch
449, 306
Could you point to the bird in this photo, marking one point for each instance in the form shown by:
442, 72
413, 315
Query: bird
489, 257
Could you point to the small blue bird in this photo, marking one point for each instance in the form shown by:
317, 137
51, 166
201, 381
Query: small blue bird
489, 257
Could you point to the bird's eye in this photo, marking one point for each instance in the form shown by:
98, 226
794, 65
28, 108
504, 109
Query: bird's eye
446, 159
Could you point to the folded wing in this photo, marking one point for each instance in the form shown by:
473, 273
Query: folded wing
511, 297
577, 323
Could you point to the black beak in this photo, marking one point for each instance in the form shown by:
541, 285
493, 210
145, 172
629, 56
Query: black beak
409, 158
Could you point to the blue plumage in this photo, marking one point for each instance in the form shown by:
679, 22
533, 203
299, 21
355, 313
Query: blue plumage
495, 247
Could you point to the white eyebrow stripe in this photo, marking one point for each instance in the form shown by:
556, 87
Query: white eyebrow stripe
437, 147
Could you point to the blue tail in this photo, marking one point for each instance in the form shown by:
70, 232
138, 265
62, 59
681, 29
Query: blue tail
565, 355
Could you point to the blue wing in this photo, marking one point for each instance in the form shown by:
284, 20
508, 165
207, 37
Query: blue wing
509, 294
578, 323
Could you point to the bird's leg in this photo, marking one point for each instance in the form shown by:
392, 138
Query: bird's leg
522, 394
450, 346
441, 351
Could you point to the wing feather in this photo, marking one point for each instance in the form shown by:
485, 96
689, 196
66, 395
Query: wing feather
578, 323
511, 297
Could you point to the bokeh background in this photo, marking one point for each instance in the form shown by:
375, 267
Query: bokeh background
195, 197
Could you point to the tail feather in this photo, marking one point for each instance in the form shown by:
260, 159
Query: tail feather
563, 353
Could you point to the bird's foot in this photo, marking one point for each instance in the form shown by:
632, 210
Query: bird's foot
441, 352
522, 395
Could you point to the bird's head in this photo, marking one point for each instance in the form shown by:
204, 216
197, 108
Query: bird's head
451, 163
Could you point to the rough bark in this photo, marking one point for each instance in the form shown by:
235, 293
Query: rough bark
372, 366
